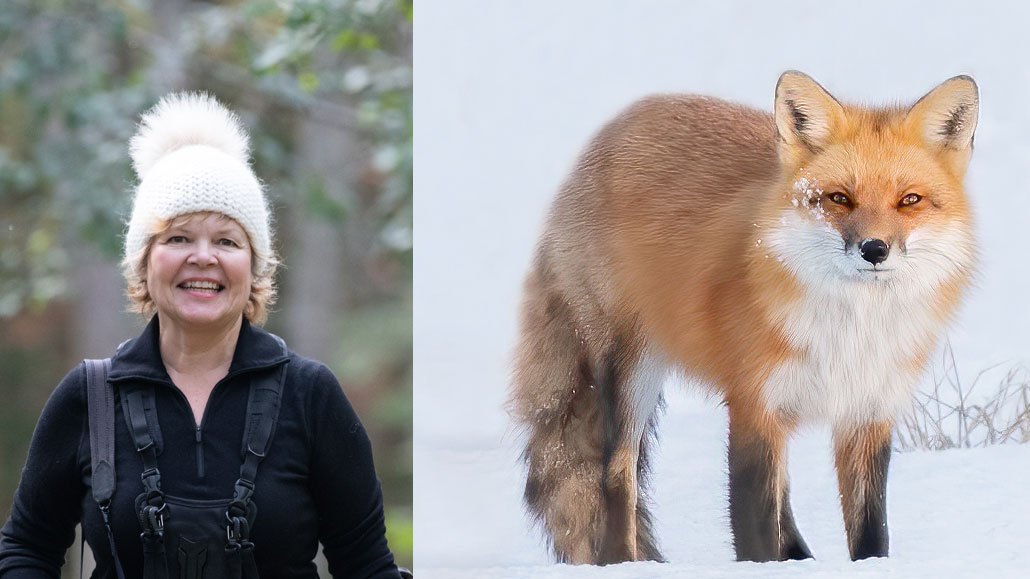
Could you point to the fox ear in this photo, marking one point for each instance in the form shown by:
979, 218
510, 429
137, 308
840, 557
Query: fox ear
805, 113
947, 115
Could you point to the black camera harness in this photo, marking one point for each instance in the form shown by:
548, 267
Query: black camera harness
140, 411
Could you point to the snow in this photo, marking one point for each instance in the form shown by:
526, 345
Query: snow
507, 95
958, 513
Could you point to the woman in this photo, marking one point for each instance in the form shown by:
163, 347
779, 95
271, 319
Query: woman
198, 256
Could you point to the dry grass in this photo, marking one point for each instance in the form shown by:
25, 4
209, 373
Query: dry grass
954, 415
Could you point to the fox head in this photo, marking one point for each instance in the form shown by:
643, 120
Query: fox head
874, 195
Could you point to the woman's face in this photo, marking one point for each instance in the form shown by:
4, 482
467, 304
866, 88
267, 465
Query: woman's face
198, 272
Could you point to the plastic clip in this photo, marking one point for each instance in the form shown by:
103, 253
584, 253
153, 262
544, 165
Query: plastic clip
153, 519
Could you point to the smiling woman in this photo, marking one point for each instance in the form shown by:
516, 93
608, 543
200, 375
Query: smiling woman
206, 398
200, 270
262, 289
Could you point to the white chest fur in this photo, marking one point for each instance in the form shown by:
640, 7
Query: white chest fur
857, 336
856, 356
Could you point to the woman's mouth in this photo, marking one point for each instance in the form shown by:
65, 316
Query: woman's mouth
208, 287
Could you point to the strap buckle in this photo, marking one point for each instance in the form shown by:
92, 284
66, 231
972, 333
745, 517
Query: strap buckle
151, 481
242, 493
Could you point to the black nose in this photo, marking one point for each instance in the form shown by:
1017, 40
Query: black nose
874, 250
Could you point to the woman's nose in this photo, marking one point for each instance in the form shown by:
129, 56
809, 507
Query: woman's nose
202, 254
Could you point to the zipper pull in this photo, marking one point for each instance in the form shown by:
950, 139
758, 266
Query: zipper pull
200, 454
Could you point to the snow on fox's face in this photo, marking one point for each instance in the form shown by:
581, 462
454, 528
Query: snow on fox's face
896, 218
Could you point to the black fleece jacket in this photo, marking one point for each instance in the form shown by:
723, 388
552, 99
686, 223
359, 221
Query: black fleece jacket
317, 483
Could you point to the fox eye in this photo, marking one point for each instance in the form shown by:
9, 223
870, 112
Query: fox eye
840, 199
910, 199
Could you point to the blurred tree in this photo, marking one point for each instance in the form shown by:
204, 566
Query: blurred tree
325, 88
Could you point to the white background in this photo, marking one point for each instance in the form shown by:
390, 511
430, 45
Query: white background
507, 94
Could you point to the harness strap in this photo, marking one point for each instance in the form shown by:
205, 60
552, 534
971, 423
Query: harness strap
263, 403
239, 549
154, 564
262, 415
141, 418
140, 412
249, 566
100, 398
100, 404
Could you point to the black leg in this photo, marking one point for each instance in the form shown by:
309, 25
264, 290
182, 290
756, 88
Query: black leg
862, 458
760, 515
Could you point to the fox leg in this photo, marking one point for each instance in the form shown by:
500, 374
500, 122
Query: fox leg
647, 543
630, 392
760, 514
862, 456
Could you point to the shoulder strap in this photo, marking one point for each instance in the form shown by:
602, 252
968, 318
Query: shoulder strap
263, 404
140, 411
263, 408
100, 402
100, 407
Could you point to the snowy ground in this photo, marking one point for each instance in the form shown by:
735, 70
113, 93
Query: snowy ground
507, 93
960, 513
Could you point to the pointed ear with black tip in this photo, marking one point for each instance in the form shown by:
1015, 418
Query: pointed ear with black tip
946, 116
806, 114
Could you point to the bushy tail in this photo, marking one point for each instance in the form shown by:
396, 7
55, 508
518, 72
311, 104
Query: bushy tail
581, 485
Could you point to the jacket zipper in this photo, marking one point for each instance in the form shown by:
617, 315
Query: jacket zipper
200, 455
197, 434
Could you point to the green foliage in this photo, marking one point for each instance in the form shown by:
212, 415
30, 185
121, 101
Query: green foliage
63, 117
24, 371
400, 534
357, 52
374, 349
320, 204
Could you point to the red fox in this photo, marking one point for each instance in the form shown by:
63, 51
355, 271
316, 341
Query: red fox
802, 265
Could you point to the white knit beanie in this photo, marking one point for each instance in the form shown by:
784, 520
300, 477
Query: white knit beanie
191, 154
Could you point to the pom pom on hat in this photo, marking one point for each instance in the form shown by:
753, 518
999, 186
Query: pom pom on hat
184, 119
191, 155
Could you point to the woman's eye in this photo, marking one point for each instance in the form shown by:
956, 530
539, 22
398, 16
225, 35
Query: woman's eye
177, 239
910, 199
840, 199
227, 242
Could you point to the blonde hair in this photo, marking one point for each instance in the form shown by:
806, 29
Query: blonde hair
262, 286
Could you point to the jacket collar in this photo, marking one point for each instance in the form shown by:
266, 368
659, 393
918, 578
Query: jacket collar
140, 357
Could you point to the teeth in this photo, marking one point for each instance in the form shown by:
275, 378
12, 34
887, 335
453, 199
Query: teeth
201, 285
